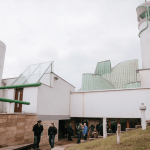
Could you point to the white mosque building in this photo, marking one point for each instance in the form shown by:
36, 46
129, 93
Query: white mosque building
108, 93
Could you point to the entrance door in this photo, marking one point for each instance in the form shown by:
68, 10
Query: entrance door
18, 96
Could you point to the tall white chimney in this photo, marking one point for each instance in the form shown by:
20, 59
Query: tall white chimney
2, 57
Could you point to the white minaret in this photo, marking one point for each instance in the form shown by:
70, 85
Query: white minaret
143, 15
2, 57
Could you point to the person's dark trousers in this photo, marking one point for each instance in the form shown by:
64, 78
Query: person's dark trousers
69, 137
98, 132
85, 137
51, 141
36, 141
79, 137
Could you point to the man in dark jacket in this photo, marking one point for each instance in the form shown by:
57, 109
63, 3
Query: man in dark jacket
70, 132
52, 131
37, 129
101, 129
98, 127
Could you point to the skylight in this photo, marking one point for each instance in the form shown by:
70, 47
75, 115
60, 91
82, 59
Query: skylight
33, 73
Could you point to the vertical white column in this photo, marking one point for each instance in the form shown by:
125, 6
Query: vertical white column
118, 133
143, 119
104, 128
2, 57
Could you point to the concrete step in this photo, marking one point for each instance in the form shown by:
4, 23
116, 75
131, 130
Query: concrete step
92, 139
138, 126
129, 129
110, 134
82, 141
58, 148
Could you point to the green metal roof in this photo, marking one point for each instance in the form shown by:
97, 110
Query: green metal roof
95, 82
123, 73
118, 77
103, 67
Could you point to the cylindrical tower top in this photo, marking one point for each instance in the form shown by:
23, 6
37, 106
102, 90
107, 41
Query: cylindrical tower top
143, 16
143, 13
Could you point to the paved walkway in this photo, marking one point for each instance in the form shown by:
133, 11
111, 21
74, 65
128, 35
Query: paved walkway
63, 147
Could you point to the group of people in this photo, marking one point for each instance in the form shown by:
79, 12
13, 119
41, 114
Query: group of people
38, 132
82, 131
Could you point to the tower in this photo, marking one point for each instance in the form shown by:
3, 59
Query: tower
2, 57
143, 16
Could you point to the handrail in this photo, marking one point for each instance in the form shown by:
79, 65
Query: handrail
14, 101
20, 86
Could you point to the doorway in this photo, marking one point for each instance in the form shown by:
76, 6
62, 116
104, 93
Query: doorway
19, 97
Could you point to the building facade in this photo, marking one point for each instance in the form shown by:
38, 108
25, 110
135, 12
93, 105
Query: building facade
108, 94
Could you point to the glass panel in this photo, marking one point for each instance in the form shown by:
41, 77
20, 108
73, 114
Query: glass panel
21, 79
32, 74
37, 74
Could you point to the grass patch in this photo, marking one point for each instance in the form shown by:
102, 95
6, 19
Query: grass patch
137, 139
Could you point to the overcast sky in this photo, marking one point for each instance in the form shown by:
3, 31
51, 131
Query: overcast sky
75, 34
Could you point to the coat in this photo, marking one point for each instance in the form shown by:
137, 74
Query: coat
79, 129
52, 131
92, 127
85, 130
37, 130
69, 129
98, 127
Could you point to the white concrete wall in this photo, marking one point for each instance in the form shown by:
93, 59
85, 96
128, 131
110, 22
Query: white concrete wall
145, 45
3, 93
145, 78
3, 105
54, 100
30, 94
8, 82
110, 103
10, 94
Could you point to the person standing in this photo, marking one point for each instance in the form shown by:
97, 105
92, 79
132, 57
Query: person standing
52, 131
70, 132
85, 131
92, 127
101, 129
108, 128
37, 129
98, 127
79, 131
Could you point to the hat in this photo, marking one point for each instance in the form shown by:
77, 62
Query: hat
39, 121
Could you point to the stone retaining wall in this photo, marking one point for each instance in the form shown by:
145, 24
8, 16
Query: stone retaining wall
16, 129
